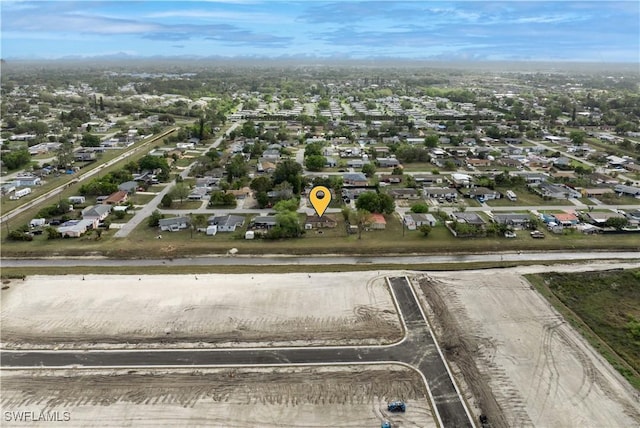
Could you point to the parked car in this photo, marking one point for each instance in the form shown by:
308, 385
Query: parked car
509, 234
537, 234
397, 406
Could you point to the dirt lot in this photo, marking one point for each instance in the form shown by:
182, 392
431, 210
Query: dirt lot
353, 396
198, 311
524, 364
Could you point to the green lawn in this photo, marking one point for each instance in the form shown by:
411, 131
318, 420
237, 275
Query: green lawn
525, 198
605, 308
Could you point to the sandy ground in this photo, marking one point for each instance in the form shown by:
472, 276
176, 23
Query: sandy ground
540, 372
522, 364
73, 311
354, 396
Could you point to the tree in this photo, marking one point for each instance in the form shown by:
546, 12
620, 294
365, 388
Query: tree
154, 219
425, 229
313, 149
419, 208
369, 169
261, 184
52, 233
361, 218
16, 159
237, 168
617, 222
199, 221
290, 171
287, 205
180, 191
64, 155
166, 201
90, 140
375, 203
577, 137
315, 162
431, 141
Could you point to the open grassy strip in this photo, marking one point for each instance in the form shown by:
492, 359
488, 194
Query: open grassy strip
17, 273
605, 308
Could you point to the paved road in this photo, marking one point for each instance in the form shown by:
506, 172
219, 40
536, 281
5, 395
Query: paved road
327, 260
417, 349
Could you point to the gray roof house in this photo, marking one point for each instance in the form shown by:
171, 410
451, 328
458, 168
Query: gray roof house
96, 212
227, 223
469, 218
128, 186
173, 224
515, 220
414, 220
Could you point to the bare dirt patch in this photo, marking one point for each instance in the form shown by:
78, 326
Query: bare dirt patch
346, 396
97, 311
523, 363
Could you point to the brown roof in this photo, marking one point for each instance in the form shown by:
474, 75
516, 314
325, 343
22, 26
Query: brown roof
116, 197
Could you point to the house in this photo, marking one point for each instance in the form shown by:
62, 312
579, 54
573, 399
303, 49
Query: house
27, 180
197, 193
557, 191
96, 212
596, 192
240, 193
469, 218
117, 198
533, 178
599, 218
377, 222
173, 224
317, 222
404, 193
263, 222
387, 162
439, 192
128, 186
226, 223
509, 162
461, 180
478, 162
266, 166
514, 220
75, 228
624, 190
355, 179
330, 162
566, 219
484, 194
428, 179
414, 220
388, 178
355, 163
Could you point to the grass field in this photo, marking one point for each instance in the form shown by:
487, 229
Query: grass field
605, 308
525, 198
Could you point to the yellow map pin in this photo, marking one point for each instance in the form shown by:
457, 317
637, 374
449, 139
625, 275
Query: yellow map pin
320, 198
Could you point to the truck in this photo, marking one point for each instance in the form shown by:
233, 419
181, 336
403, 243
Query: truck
20, 193
37, 222
396, 406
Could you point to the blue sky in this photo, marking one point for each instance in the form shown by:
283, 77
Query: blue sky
603, 31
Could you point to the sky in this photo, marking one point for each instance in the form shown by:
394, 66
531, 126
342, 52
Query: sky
594, 31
